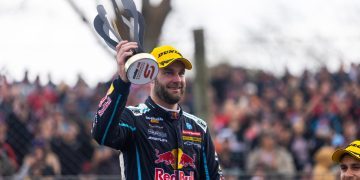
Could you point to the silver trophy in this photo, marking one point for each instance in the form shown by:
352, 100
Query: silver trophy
124, 22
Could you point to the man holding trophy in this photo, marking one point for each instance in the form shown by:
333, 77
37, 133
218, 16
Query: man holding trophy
157, 139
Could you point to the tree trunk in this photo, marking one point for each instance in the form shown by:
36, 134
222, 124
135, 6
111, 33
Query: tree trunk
154, 20
201, 77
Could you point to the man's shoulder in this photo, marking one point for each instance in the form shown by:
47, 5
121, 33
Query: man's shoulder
201, 123
138, 110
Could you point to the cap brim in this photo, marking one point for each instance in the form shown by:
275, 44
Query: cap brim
186, 62
340, 152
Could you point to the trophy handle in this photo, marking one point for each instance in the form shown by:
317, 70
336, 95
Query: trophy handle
103, 30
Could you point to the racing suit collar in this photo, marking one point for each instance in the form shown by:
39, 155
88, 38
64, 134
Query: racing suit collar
168, 115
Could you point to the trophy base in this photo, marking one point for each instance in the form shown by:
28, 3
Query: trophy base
141, 68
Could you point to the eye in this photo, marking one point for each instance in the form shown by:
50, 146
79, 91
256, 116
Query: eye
343, 168
182, 73
167, 72
356, 167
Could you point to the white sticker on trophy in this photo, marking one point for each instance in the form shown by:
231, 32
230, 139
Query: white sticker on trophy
141, 68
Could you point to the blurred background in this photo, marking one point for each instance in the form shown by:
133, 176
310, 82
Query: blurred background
281, 81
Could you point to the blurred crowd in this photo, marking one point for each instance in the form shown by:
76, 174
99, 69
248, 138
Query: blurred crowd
285, 125
261, 124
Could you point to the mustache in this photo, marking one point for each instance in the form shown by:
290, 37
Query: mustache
175, 85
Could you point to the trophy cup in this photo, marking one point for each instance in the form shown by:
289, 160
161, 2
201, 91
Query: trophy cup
127, 24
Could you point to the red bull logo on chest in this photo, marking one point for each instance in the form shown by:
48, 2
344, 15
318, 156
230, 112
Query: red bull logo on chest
161, 175
176, 158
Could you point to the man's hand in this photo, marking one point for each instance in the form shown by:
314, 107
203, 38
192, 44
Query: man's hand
124, 50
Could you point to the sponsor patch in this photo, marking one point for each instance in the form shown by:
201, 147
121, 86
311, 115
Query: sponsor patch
154, 121
157, 139
197, 120
155, 126
154, 118
157, 133
160, 174
104, 106
176, 156
102, 101
189, 143
190, 138
188, 126
191, 133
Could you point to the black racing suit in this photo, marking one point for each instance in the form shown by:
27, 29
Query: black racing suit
155, 143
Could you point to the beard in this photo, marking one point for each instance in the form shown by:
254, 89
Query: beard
165, 95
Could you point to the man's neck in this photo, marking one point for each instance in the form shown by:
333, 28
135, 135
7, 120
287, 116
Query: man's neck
169, 110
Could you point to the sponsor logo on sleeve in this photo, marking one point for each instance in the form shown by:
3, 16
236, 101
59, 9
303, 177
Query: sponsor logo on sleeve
104, 106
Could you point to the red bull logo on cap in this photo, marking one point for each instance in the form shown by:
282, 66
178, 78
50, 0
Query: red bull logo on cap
176, 158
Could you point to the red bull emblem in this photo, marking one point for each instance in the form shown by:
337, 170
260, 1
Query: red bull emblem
176, 158
167, 157
186, 161
161, 175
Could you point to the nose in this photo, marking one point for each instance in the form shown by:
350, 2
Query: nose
176, 78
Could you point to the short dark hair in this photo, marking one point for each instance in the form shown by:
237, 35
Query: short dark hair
343, 155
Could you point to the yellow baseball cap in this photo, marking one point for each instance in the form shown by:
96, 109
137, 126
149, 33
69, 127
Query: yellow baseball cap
353, 149
165, 55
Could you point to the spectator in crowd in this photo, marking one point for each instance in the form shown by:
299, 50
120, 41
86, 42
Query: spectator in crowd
300, 147
269, 158
220, 82
105, 161
68, 148
8, 164
349, 160
233, 150
19, 135
41, 162
323, 163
